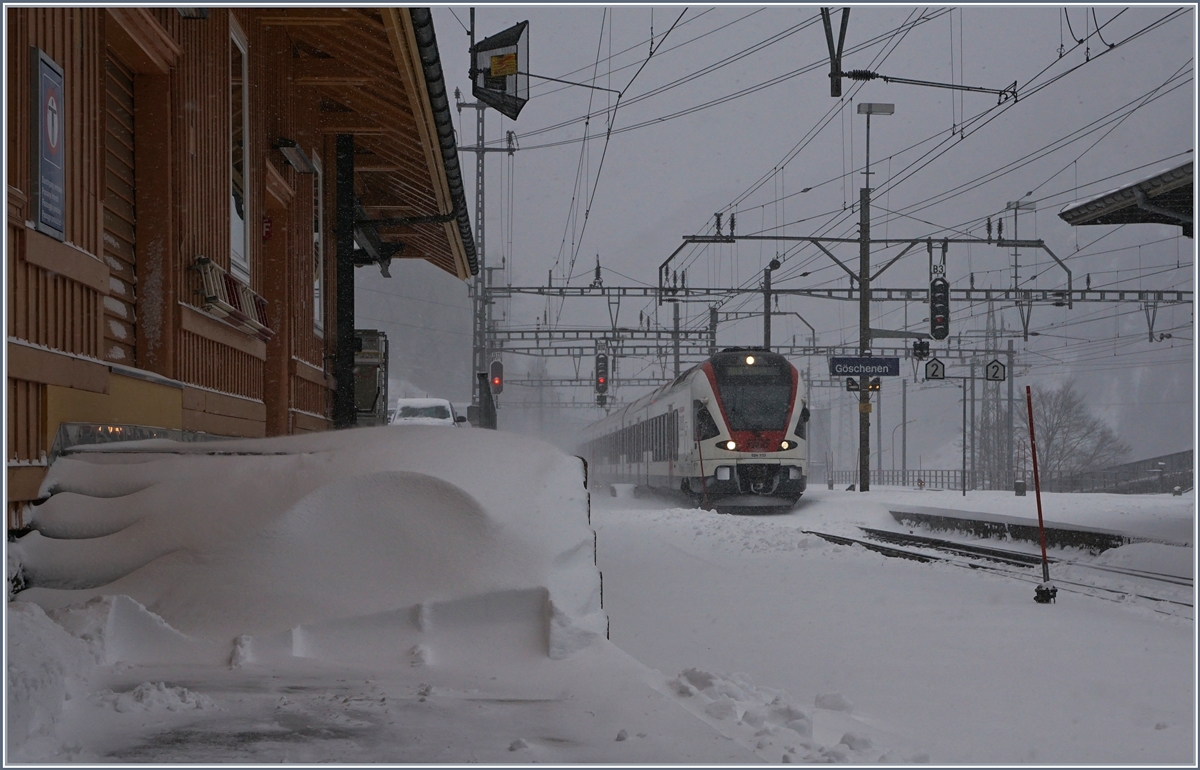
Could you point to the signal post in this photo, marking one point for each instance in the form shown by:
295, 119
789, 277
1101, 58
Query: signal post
864, 300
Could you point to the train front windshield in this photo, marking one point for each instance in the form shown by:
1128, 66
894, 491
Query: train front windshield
756, 396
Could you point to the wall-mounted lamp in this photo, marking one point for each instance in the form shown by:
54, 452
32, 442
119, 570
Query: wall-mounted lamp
193, 13
295, 156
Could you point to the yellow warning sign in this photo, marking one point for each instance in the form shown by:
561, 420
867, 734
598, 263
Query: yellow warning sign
504, 64
865, 408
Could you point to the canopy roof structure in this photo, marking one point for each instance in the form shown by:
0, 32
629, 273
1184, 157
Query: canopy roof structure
379, 76
1165, 198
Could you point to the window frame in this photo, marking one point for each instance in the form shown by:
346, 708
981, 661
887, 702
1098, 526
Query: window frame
240, 268
318, 246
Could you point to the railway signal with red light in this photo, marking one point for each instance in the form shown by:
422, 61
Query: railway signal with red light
496, 378
601, 372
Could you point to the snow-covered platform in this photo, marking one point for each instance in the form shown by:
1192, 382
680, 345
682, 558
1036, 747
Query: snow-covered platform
1005, 527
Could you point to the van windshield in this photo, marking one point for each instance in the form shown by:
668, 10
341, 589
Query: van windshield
437, 411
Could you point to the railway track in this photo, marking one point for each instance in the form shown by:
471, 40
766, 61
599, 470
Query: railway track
988, 558
1016, 557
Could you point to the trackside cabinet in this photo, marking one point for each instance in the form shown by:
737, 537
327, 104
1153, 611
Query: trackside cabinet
370, 377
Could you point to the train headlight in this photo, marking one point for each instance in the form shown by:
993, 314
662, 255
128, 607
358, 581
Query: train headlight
749, 360
730, 445
785, 445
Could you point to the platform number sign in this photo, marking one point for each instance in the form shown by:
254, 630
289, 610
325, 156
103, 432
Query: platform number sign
994, 371
935, 370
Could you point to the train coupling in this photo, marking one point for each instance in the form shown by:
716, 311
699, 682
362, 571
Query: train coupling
1045, 593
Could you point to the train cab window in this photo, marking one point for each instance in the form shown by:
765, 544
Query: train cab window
755, 391
706, 426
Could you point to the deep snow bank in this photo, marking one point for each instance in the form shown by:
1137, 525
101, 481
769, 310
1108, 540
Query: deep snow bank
260, 537
394, 594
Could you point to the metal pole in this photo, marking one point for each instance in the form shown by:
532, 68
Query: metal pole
1016, 237
1012, 478
904, 431
712, 330
964, 439
974, 436
344, 415
675, 339
864, 322
481, 293
767, 308
480, 232
879, 430
479, 288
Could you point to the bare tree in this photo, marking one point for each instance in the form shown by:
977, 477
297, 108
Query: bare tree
1070, 439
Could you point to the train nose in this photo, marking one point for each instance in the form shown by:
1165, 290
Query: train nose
759, 479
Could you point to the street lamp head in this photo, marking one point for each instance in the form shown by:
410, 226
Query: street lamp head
876, 108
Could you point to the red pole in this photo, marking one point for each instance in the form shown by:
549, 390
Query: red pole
1037, 487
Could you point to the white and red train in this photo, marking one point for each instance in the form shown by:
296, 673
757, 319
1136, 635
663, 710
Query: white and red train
732, 429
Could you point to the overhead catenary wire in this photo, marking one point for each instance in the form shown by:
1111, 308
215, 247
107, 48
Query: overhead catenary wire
713, 102
1084, 250
604, 153
993, 112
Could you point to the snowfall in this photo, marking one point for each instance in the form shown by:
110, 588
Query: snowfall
417, 594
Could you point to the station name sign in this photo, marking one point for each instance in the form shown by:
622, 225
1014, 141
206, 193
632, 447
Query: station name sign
864, 365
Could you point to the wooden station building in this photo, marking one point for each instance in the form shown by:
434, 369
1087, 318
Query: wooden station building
189, 191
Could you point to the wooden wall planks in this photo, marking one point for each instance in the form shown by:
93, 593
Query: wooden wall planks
125, 307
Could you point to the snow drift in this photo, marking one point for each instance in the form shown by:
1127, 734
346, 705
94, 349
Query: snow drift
268, 539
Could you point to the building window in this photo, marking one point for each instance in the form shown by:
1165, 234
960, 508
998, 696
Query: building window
318, 248
239, 103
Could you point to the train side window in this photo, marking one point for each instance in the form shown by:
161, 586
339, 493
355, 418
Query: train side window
802, 423
706, 426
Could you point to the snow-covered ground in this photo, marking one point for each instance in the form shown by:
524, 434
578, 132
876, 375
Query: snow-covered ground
936, 660
413, 594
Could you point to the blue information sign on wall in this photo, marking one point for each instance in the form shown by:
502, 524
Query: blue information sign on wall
864, 365
49, 195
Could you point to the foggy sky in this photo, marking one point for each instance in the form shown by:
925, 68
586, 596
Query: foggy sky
1075, 138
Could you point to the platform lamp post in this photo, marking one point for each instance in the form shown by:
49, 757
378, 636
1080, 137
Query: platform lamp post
864, 299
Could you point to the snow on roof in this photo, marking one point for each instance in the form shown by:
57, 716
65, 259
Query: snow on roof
1166, 179
422, 402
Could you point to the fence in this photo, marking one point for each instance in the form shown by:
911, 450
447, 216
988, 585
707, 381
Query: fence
930, 479
1153, 476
